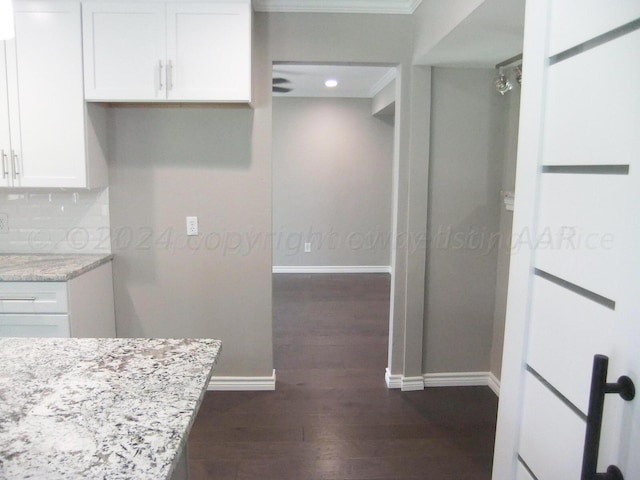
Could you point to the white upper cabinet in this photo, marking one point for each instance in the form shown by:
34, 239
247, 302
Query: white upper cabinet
42, 110
182, 52
5, 131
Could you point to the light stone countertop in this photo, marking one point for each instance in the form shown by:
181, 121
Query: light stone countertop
109, 409
47, 267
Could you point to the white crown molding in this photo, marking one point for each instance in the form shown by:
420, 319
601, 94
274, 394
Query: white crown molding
383, 82
333, 269
406, 7
243, 383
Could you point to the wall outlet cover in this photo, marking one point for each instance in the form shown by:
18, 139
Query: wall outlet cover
192, 225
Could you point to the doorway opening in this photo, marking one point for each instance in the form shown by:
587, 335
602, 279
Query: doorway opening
334, 175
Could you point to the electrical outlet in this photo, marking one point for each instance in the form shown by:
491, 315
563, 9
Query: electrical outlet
192, 225
4, 223
307, 247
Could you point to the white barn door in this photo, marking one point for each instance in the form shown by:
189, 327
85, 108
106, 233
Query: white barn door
574, 287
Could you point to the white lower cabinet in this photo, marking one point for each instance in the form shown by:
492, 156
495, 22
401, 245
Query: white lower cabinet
34, 326
80, 307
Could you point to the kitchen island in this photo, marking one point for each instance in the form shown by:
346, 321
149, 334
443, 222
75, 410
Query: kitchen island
108, 408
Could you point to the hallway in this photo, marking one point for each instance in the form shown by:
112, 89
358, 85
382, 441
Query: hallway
332, 416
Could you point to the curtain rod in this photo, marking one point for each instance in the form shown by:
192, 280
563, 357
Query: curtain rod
509, 61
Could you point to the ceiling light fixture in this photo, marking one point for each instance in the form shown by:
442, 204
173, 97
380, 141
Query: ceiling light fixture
6, 20
331, 83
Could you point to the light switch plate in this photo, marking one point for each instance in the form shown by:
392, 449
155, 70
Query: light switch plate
192, 225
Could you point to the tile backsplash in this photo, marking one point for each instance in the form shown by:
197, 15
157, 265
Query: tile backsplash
55, 222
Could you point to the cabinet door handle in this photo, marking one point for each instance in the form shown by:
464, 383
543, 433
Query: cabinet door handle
5, 172
160, 67
599, 388
14, 160
170, 75
18, 299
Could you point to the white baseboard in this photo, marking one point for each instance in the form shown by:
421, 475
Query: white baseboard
412, 384
453, 379
494, 384
333, 269
242, 383
392, 380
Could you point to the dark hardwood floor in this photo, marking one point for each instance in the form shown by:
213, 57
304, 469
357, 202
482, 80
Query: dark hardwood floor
332, 416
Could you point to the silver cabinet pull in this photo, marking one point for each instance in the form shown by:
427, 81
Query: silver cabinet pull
170, 75
18, 299
5, 172
160, 67
14, 160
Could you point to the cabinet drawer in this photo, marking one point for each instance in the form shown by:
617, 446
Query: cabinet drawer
33, 297
34, 326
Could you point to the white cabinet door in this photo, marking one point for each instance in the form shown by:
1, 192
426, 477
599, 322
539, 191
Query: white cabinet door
209, 51
182, 52
44, 66
5, 132
124, 51
575, 266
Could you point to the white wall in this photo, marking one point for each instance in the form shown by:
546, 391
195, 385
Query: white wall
332, 179
56, 222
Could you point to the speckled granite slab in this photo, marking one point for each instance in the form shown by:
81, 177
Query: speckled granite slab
112, 408
47, 267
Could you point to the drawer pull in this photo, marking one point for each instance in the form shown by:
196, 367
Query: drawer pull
18, 299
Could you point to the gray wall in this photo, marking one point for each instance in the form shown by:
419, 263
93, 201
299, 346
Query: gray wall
512, 103
214, 162
469, 121
332, 176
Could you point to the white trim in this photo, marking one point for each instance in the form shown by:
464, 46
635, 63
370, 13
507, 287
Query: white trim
333, 269
494, 384
386, 79
459, 379
392, 380
406, 7
243, 383
412, 384
450, 379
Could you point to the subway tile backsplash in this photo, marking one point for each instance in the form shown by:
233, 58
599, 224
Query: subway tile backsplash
56, 222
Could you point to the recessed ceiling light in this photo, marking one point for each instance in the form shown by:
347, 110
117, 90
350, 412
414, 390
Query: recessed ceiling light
331, 83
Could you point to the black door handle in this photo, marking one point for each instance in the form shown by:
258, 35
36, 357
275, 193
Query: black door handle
599, 388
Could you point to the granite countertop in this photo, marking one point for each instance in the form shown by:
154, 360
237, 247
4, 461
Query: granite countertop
47, 267
109, 409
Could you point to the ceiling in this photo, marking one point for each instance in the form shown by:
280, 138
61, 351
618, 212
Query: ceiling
490, 34
337, 6
354, 81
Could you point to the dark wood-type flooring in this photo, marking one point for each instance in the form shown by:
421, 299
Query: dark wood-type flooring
332, 416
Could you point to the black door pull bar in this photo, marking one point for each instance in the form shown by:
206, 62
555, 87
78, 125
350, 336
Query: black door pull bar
599, 388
